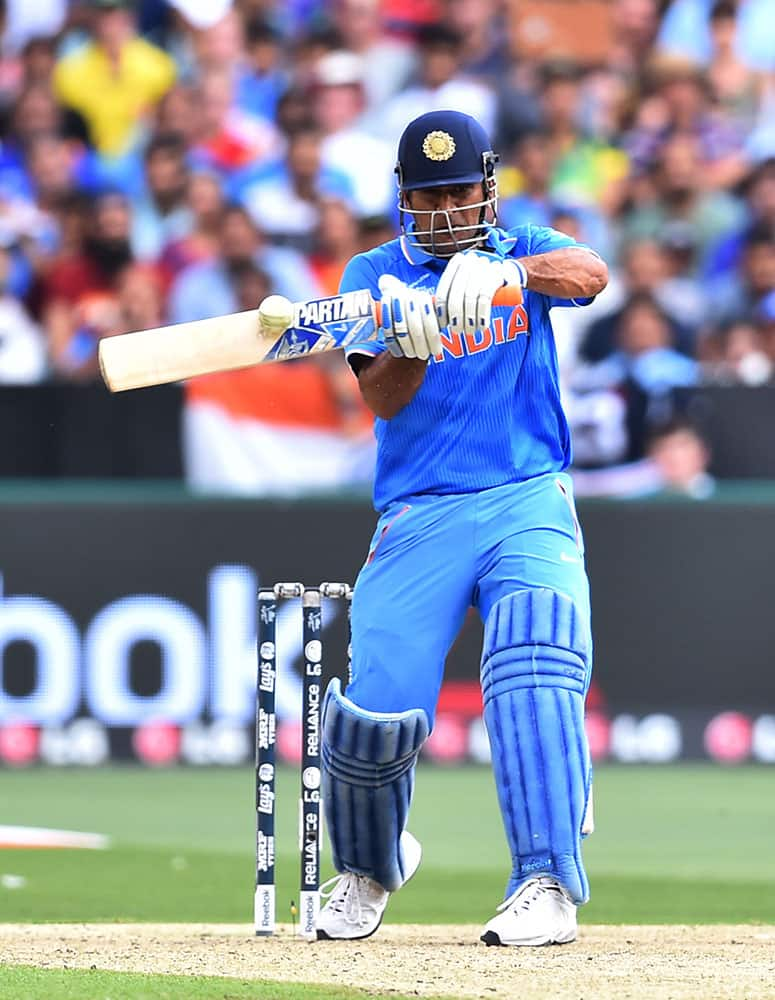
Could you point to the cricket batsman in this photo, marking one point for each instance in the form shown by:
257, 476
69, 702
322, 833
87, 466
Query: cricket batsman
475, 508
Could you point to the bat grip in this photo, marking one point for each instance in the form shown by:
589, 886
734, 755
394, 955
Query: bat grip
508, 295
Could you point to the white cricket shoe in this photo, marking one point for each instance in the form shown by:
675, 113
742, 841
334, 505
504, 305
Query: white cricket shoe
356, 903
539, 912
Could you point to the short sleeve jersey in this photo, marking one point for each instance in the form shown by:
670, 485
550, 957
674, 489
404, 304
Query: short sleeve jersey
488, 411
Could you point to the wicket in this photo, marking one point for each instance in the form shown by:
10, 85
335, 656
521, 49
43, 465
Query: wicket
310, 827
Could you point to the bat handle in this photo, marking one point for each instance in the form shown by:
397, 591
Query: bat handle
508, 295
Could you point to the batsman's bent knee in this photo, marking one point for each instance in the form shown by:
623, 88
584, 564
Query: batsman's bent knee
534, 672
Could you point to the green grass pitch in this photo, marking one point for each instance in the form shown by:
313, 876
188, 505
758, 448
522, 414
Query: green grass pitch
23, 983
684, 844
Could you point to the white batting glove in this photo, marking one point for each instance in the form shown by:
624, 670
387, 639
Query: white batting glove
409, 320
467, 286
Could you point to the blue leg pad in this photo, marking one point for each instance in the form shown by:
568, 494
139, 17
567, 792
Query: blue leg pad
534, 676
368, 780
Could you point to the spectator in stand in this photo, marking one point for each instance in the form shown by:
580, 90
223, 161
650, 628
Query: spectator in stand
680, 104
586, 336
517, 107
79, 289
442, 84
176, 113
388, 60
71, 215
36, 111
686, 31
251, 285
218, 46
293, 110
743, 294
306, 54
161, 214
724, 257
525, 195
136, 302
337, 239
604, 103
205, 202
645, 270
736, 354
338, 103
38, 58
51, 163
482, 24
284, 202
141, 299
208, 288
737, 90
114, 79
249, 52
523, 182
634, 27
265, 77
584, 167
645, 366
23, 357
681, 457
676, 462
226, 137
644, 347
678, 194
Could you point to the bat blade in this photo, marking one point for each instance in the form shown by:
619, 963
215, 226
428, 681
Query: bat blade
237, 340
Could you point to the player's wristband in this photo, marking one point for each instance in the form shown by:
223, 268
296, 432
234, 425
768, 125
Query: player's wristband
522, 271
515, 273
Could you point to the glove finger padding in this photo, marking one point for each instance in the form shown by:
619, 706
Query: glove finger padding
456, 295
402, 338
481, 286
423, 325
409, 321
392, 321
443, 310
430, 324
468, 286
492, 280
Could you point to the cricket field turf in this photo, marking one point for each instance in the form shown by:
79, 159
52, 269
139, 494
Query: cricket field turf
675, 847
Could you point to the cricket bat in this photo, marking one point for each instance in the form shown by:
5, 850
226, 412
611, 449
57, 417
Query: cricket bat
276, 331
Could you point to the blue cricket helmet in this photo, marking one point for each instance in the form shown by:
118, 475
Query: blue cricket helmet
444, 147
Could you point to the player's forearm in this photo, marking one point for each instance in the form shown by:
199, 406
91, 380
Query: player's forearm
570, 273
387, 384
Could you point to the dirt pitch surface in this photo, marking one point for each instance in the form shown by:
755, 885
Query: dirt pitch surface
605, 963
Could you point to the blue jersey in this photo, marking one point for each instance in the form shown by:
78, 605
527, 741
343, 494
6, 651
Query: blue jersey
488, 411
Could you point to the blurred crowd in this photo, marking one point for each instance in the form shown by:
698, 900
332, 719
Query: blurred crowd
169, 160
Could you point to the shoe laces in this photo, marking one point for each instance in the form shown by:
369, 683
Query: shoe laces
528, 893
345, 895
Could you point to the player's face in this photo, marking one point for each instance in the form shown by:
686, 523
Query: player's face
447, 218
